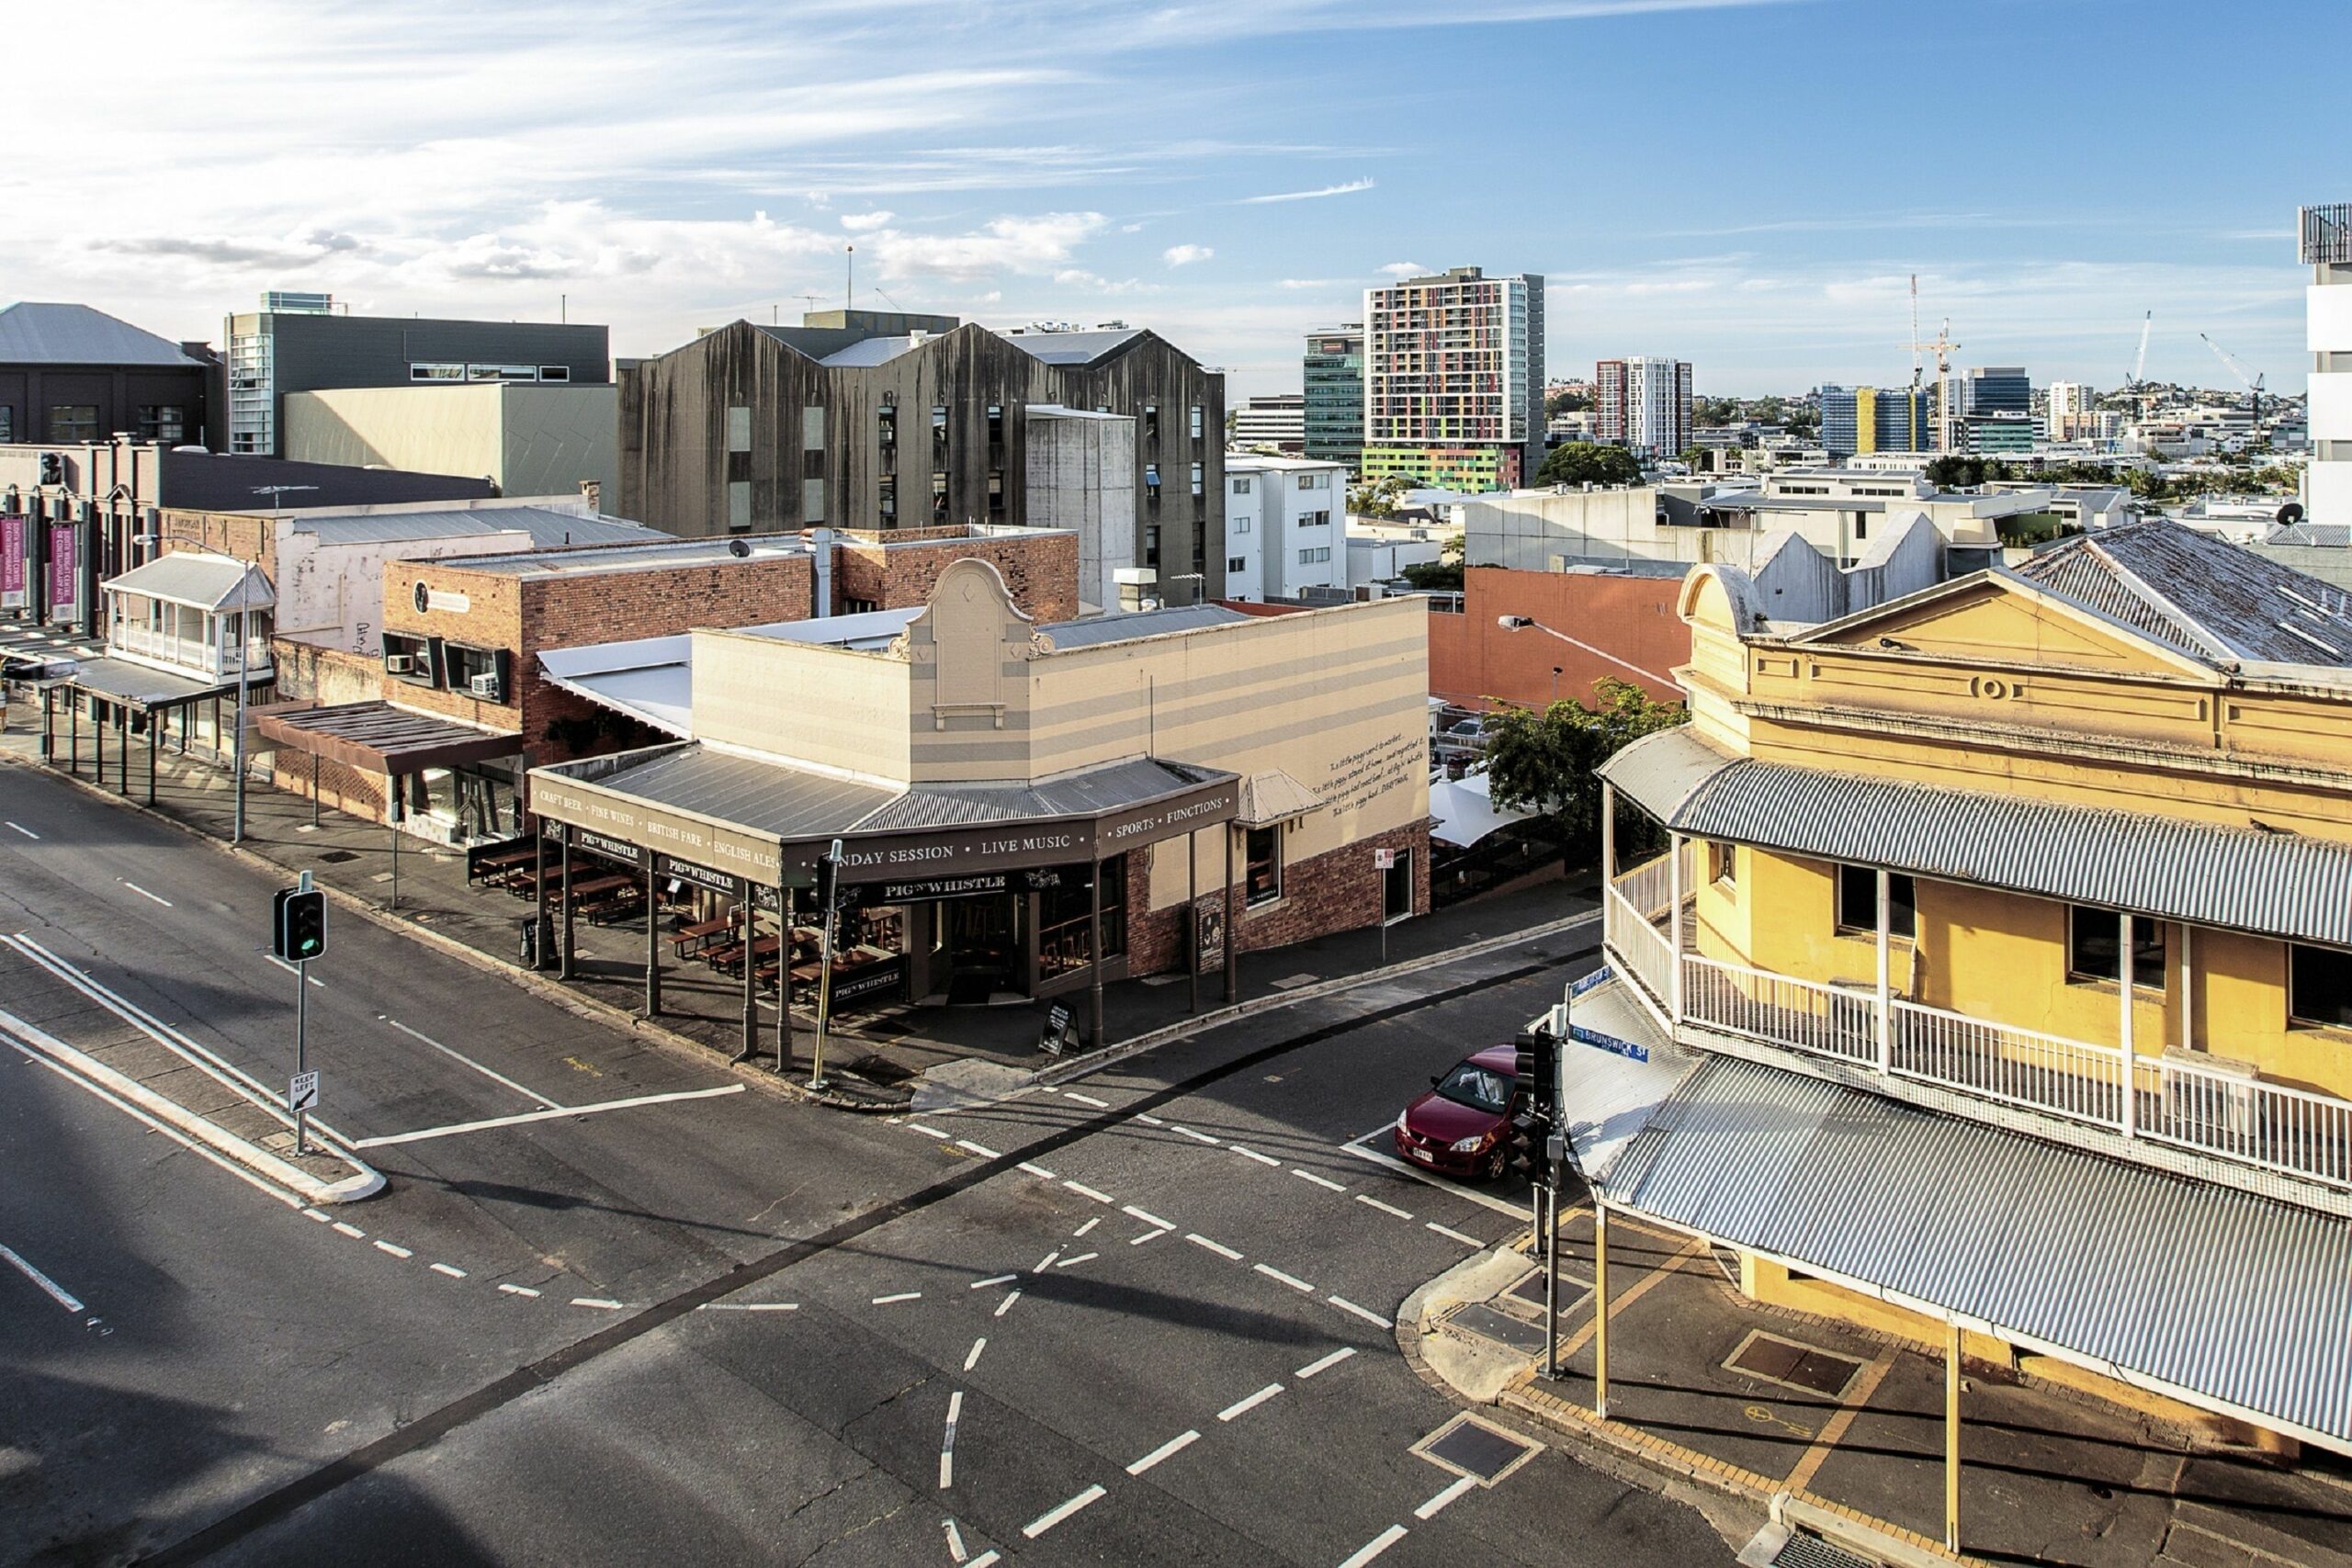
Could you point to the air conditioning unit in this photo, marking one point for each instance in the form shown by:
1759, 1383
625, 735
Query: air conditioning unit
486, 688
399, 664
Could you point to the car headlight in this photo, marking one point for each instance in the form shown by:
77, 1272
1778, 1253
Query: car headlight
1472, 1145
1400, 1121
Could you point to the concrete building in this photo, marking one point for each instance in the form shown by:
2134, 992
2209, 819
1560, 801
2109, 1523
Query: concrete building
1334, 369
1861, 419
1286, 527
1994, 390
1082, 475
2003, 434
1277, 419
1453, 379
2072, 413
868, 419
2021, 905
71, 376
525, 438
2326, 236
1644, 403
296, 343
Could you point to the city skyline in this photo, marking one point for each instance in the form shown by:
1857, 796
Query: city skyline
664, 174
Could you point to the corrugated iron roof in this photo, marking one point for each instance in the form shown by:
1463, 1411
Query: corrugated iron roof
1071, 348
547, 528
120, 680
35, 333
2233, 1301
2202, 596
1096, 790
193, 577
1275, 796
1659, 772
1098, 630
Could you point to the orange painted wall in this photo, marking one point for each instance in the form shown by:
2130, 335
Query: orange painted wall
1474, 660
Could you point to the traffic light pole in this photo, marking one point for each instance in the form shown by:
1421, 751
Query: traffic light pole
301, 1035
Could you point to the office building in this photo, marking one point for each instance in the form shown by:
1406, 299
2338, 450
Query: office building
526, 439
877, 420
1857, 419
2326, 237
1453, 379
1995, 388
1335, 394
2003, 434
71, 376
2072, 411
296, 343
1286, 527
1644, 403
1277, 420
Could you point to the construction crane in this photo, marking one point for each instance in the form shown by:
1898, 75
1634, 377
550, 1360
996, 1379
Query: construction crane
2139, 361
2253, 383
1942, 347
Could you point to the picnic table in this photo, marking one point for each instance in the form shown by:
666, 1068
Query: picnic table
698, 935
495, 869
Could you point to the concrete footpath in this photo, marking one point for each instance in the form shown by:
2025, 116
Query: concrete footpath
875, 1058
1839, 1432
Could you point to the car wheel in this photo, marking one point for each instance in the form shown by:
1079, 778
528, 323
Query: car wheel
1497, 1163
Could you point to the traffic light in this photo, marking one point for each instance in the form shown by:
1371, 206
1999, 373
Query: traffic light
1538, 1068
300, 931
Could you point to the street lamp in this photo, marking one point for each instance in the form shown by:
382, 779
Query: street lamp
1529, 622
244, 666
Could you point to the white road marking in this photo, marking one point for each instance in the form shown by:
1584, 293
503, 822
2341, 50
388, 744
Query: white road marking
1366, 1314
1168, 1449
985, 1559
49, 1287
1150, 1236
974, 1359
1219, 1248
1149, 1119
1457, 1235
292, 969
993, 1279
954, 1541
926, 1131
158, 897
454, 1273
323, 1219
901, 1296
1293, 1281
1087, 1227
1084, 1191
518, 1290
1046, 1262
27, 832
1385, 1208
749, 1306
1323, 1181
597, 1302
1006, 1305
1081, 1258
347, 1228
1146, 1216
1243, 1406
454, 1129
468, 1061
981, 1149
1252, 1154
382, 1246
1326, 1364
1055, 1516
1467, 1194
1196, 1137
1376, 1546
1429, 1510
1086, 1099
947, 1443
1036, 1170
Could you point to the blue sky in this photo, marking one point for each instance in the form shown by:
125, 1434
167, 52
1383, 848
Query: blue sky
1747, 185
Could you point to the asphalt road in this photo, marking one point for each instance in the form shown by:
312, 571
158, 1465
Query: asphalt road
753, 1321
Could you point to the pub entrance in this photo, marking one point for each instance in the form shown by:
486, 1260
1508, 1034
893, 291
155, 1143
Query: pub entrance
1009, 937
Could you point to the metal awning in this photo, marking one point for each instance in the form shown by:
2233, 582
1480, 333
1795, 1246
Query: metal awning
1465, 811
1273, 797
196, 579
144, 688
376, 738
2206, 1294
2289, 885
1618, 1069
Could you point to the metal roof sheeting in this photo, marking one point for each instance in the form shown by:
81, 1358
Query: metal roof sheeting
547, 528
1106, 788
1275, 796
2235, 1302
38, 334
193, 577
1137, 624
1659, 772
2202, 596
120, 680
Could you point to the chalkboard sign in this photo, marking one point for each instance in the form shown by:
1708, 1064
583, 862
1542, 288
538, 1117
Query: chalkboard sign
1057, 1033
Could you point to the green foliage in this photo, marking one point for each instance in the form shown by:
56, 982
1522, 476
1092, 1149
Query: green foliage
1565, 402
1587, 462
1543, 761
1717, 411
1956, 472
1382, 497
1435, 576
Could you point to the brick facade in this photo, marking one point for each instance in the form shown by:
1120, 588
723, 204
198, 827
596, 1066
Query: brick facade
896, 570
1339, 890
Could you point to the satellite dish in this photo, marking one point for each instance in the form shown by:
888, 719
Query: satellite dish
2292, 512
739, 548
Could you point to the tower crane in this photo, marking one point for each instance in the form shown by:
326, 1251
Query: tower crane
1942, 346
2139, 361
2253, 383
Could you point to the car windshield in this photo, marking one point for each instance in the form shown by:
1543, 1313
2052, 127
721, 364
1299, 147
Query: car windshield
1481, 1088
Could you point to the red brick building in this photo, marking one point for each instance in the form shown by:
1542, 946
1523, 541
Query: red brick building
1625, 624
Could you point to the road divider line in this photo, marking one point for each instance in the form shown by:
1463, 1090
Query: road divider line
383, 1246
158, 897
314, 1215
597, 1302
1039, 1171
1166, 1450
1454, 1235
974, 1359
1196, 1137
518, 1290
1293, 1280
1252, 1154
1087, 1227
292, 969
345, 1227
1046, 1262
1326, 1364
455, 1128
900, 1296
1085, 1191
1323, 1181
1365, 1313
1467, 1194
1086, 1099
1216, 1247
1149, 1119
454, 1272
48, 1287
993, 1279
1240, 1408
20, 827
457, 1055
1146, 1216
954, 1541
988, 1559
749, 1306
948, 1443
1056, 1514
1430, 1509
1385, 1208
1006, 1305
1151, 1235
926, 1131
1081, 1258
1376, 1546
981, 1149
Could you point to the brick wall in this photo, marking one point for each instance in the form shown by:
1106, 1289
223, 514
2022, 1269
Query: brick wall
242, 535
1040, 569
492, 618
327, 676
1337, 891
1472, 660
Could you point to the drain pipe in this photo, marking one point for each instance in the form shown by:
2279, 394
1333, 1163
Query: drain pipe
821, 543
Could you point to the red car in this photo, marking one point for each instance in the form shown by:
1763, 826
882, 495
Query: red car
1462, 1125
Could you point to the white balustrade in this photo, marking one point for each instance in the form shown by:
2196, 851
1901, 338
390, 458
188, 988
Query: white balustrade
1828, 1020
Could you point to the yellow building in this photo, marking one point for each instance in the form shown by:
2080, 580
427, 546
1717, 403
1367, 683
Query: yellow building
1997, 981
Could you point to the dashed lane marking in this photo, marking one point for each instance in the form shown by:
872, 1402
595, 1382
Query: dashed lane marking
20, 827
1322, 1182
926, 1131
974, 1359
1046, 1262
382, 1246
1385, 1208
1086, 1099
900, 1296
48, 1287
1369, 1316
981, 1149
1467, 1194
518, 1290
1252, 1154
993, 1279
749, 1306
454, 1272
1293, 1280
1081, 1258
1006, 1305
1150, 1236
1240, 1408
1149, 1119
1216, 1247
1085, 1191
1039, 1171
1453, 1235
345, 1227
599, 1302
291, 969
1087, 1227
1429, 1509
1196, 1137
314, 1215
1326, 1364
1166, 1450
1056, 1514
158, 897
1376, 1546
1146, 1216
948, 1443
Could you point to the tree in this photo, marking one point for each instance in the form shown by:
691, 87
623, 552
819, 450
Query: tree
1382, 497
1717, 411
1955, 472
1587, 462
1435, 576
1565, 402
1544, 763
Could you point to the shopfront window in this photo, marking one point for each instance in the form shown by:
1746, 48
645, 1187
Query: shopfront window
2094, 948
2319, 987
1263, 855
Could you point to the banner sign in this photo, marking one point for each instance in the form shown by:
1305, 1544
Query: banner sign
63, 565
609, 848
877, 979
702, 876
12, 565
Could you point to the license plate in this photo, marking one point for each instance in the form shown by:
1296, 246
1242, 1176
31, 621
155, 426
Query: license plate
1421, 1154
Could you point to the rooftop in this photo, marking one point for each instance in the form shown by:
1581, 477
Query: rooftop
549, 527
658, 552
38, 334
1097, 630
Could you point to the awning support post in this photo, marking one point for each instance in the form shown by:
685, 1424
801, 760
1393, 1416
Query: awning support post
751, 1003
1608, 836
314, 789
563, 948
2130, 1074
1885, 989
1232, 929
539, 928
74, 733
392, 790
2187, 993
783, 977
1095, 956
1951, 1436
48, 725
652, 936
154, 739
1674, 925
1600, 1308
1193, 918
123, 748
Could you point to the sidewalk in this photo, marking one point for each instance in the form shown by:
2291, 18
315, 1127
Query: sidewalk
1851, 1425
870, 1056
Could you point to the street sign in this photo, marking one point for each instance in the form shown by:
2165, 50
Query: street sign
1384, 860
302, 1093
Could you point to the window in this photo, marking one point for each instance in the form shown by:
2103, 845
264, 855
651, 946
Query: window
1237, 525
738, 504
812, 501
1314, 481
7, 422
812, 430
886, 421
1236, 565
1199, 485
1241, 484
1262, 881
74, 422
1198, 426
2319, 987
888, 494
996, 424
162, 421
1319, 554
1151, 546
2092, 948
410, 658
460, 664
738, 429
1319, 519
436, 372
1151, 484
1857, 902
996, 493
859, 607
1152, 422
1722, 862
554, 372
939, 495
501, 372
938, 435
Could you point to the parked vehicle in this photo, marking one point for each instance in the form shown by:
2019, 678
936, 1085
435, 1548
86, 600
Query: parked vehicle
1462, 1125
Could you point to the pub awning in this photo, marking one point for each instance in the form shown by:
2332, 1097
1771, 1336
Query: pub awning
144, 688
2219, 1298
376, 738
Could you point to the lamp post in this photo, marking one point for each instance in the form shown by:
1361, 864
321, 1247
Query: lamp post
1529, 622
245, 665
1555, 683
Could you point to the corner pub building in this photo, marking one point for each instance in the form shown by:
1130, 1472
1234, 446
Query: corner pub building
1013, 798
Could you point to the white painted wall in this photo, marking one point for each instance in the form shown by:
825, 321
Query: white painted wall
331, 594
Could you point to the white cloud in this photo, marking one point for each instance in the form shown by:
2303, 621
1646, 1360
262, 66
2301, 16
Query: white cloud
1185, 255
1346, 189
861, 222
1404, 269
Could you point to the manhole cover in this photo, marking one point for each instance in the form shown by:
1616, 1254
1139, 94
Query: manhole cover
1469, 1447
1784, 1361
1487, 1323
336, 857
1531, 1289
